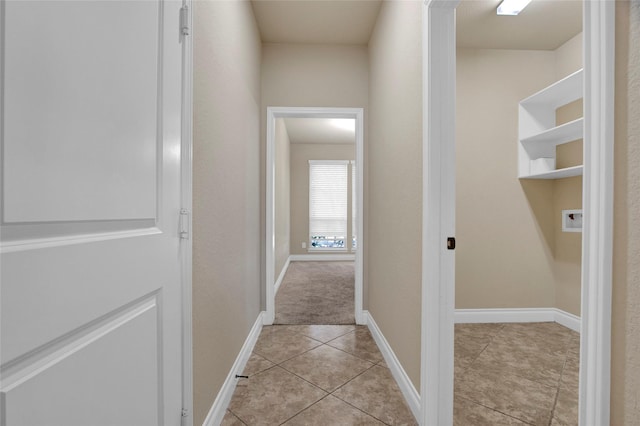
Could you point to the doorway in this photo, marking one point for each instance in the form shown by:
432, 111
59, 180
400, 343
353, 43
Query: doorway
517, 272
274, 113
438, 262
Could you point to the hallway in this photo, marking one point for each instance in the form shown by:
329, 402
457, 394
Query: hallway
317, 375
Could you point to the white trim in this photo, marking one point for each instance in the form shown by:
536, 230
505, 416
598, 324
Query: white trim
597, 245
502, 315
567, 319
339, 162
597, 240
283, 272
404, 382
186, 245
438, 211
322, 257
219, 407
310, 112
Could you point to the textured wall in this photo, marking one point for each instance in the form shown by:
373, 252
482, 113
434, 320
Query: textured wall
282, 196
567, 193
226, 194
504, 225
395, 180
512, 254
625, 363
300, 156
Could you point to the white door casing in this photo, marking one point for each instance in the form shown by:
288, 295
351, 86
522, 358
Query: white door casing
311, 112
90, 288
438, 220
439, 63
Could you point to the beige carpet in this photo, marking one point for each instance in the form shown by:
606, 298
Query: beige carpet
316, 293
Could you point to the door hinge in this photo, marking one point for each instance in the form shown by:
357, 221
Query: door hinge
184, 20
183, 230
184, 415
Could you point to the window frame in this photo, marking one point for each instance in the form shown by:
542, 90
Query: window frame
346, 247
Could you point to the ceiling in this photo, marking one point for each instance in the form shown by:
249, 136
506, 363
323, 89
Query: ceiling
316, 21
543, 25
318, 130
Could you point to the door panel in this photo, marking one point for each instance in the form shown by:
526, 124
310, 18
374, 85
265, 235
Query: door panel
90, 290
127, 343
68, 66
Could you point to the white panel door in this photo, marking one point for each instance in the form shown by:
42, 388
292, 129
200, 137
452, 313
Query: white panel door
90, 290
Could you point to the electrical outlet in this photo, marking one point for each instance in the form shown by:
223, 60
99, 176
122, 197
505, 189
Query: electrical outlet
304, 245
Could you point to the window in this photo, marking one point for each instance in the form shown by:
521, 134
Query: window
328, 200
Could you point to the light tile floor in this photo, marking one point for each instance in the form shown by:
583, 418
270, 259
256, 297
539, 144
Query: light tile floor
505, 374
515, 374
317, 375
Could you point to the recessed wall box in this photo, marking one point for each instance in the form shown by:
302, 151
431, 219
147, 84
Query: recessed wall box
572, 220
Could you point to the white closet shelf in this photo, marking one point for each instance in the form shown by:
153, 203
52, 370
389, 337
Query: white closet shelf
560, 93
538, 134
558, 135
556, 174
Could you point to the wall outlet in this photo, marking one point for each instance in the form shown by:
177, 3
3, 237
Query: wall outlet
304, 244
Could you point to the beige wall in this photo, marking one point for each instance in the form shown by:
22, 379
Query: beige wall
567, 193
301, 153
625, 386
282, 196
504, 226
226, 257
513, 254
395, 180
307, 75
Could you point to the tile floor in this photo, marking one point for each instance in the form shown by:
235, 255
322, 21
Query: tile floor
505, 374
317, 375
516, 374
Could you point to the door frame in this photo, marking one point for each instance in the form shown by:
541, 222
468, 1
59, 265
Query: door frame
186, 203
311, 112
438, 264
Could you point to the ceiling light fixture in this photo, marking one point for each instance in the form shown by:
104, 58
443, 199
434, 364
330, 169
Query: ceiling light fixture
512, 7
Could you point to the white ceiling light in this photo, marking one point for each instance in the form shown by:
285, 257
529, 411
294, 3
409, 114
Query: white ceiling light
344, 123
512, 7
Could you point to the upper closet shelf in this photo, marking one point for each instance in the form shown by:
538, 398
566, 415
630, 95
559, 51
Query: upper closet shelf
538, 134
560, 93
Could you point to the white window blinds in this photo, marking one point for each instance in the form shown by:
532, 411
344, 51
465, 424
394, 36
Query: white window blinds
328, 186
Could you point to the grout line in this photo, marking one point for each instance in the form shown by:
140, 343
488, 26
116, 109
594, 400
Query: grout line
351, 379
359, 409
356, 356
497, 411
555, 401
236, 416
304, 409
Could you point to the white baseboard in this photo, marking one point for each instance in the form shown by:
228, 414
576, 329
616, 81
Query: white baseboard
404, 383
330, 257
566, 319
276, 286
219, 407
